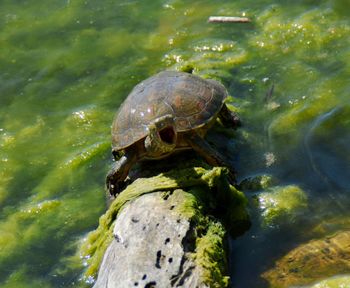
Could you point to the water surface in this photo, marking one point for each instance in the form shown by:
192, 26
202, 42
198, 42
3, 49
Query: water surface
65, 67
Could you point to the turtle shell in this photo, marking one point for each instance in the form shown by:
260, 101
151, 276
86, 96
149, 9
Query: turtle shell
191, 100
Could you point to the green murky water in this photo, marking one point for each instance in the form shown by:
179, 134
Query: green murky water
65, 66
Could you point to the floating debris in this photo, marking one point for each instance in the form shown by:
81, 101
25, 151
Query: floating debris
228, 19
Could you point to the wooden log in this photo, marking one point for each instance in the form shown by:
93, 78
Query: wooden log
153, 246
158, 234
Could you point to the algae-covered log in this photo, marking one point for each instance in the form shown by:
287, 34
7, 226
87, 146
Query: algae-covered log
160, 231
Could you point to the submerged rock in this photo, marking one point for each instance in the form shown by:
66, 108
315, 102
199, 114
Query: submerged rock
257, 182
313, 261
159, 232
342, 281
280, 203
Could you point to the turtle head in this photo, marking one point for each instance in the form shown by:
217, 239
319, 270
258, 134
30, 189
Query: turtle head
161, 139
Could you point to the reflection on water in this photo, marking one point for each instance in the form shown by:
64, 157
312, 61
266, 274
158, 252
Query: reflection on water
327, 146
65, 67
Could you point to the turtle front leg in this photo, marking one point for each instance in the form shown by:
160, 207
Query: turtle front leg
229, 118
115, 179
210, 155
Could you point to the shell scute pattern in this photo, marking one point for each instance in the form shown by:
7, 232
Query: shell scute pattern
191, 100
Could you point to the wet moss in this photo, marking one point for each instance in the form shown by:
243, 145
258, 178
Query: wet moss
210, 256
280, 203
333, 282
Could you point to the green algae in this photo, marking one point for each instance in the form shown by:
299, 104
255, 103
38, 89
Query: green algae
342, 281
39, 225
210, 255
280, 203
330, 226
21, 279
200, 185
312, 261
65, 59
210, 251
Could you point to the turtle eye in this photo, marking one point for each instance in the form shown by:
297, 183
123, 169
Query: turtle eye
167, 135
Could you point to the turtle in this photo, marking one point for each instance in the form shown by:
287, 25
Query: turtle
170, 111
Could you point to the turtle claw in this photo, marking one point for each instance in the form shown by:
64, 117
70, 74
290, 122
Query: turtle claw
114, 189
116, 179
113, 186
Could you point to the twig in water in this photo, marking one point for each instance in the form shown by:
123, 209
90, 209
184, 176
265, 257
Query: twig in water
228, 19
269, 93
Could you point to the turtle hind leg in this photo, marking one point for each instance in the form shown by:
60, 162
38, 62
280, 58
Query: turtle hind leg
115, 179
210, 155
229, 118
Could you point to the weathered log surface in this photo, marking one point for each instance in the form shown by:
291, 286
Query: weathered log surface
150, 247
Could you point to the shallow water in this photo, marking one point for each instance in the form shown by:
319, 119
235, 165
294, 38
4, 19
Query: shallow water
65, 66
